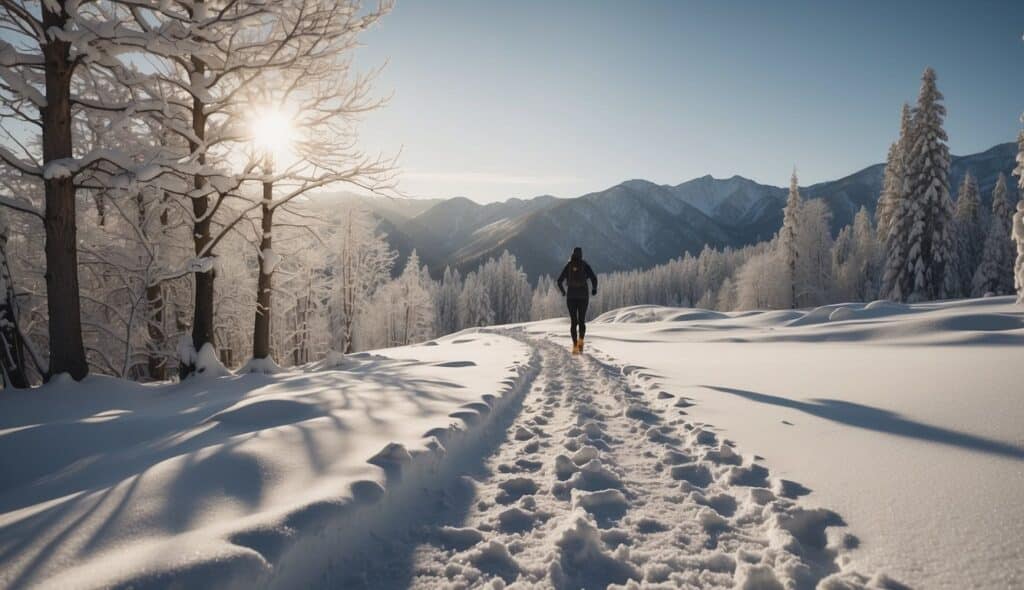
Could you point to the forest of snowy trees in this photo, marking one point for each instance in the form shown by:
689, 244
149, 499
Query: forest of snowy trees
156, 163
160, 163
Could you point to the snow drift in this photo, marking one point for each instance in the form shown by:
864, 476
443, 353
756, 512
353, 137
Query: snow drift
238, 480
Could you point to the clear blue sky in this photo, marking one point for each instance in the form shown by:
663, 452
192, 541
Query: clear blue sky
493, 100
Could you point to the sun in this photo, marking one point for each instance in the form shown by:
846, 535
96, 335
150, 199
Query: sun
272, 131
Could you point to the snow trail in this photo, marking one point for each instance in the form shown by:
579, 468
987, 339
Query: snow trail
602, 480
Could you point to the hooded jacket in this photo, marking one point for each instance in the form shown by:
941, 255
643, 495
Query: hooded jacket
576, 273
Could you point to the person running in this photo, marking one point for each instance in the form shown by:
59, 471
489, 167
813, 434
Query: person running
576, 273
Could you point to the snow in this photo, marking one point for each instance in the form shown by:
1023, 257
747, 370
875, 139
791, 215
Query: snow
210, 480
267, 366
850, 446
208, 363
201, 265
61, 168
903, 419
270, 260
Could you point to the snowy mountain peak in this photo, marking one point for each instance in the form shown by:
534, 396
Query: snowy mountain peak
638, 223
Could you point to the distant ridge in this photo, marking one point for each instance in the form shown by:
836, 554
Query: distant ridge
636, 223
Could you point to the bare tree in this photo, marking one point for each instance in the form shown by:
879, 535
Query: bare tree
209, 58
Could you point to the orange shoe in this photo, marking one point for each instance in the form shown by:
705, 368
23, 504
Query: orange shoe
579, 346
576, 348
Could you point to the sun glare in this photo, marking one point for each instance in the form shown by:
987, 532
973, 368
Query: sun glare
272, 131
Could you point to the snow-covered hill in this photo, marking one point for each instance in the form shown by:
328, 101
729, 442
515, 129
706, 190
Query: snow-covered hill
848, 446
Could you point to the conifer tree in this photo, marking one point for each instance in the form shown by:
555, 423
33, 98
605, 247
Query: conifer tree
919, 248
969, 234
475, 303
447, 303
894, 176
788, 249
1018, 224
814, 243
995, 273
855, 259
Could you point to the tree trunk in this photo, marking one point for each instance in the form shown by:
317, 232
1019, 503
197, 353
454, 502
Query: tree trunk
202, 316
157, 362
12, 351
12, 346
67, 353
101, 209
261, 326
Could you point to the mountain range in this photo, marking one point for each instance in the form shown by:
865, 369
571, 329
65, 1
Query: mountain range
634, 224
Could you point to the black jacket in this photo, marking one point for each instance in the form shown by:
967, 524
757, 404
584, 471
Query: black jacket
576, 272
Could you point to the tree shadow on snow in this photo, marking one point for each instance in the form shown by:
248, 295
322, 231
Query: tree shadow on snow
871, 418
94, 466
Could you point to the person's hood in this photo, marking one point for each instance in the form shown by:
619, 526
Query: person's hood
577, 254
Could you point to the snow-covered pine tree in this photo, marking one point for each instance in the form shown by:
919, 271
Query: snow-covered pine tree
447, 301
995, 273
707, 300
547, 302
726, 296
920, 245
894, 176
969, 234
1018, 223
890, 191
867, 252
855, 260
814, 243
1018, 236
709, 273
415, 312
475, 303
789, 253
843, 265
507, 288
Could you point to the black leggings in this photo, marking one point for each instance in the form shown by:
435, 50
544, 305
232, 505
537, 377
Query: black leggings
577, 317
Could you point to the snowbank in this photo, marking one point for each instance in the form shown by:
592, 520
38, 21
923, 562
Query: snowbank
243, 479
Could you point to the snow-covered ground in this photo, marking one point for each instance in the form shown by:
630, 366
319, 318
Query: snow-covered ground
843, 447
907, 421
216, 479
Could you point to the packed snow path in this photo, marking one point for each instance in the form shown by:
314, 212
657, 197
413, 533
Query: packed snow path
602, 480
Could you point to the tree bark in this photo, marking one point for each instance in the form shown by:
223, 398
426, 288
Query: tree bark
12, 345
67, 353
202, 316
156, 362
261, 326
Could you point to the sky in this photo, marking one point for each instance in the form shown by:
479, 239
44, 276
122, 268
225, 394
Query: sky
492, 100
